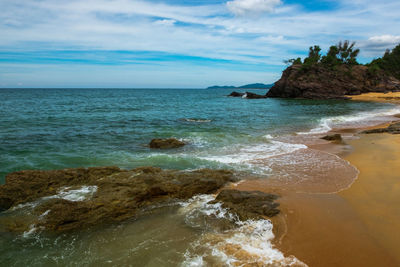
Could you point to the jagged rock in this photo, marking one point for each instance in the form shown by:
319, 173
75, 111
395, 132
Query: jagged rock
248, 95
119, 194
236, 94
322, 82
248, 204
166, 143
333, 137
393, 129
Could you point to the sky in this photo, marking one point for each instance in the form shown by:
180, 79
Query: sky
178, 43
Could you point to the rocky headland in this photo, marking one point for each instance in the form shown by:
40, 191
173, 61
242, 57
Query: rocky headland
323, 82
336, 75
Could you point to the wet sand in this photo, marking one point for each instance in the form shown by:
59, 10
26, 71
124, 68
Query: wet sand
358, 226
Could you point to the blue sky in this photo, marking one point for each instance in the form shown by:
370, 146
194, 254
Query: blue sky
178, 43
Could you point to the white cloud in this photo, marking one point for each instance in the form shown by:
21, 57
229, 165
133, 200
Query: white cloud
376, 45
384, 39
252, 7
166, 22
209, 31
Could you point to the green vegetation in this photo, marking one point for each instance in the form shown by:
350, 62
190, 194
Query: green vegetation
344, 53
388, 64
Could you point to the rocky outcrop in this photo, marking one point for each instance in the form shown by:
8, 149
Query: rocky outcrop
236, 94
247, 95
394, 128
166, 143
323, 82
333, 137
63, 200
249, 204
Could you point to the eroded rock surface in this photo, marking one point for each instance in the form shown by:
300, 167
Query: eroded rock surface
333, 137
119, 194
166, 143
320, 82
394, 128
249, 204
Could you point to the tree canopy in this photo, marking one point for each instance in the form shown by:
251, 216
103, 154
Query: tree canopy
389, 63
342, 53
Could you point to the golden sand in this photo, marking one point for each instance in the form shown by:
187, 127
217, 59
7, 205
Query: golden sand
360, 226
375, 196
391, 97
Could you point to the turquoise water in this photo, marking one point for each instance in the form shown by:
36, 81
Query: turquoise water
60, 128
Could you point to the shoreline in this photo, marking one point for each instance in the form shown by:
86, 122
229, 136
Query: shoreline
355, 226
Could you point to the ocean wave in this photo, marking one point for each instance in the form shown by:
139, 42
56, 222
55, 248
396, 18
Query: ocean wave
360, 119
246, 154
246, 242
195, 120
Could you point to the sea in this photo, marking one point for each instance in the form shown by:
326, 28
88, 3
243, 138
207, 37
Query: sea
266, 138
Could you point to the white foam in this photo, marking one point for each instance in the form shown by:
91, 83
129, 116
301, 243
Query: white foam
253, 238
246, 154
32, 229
362, 118
80, 194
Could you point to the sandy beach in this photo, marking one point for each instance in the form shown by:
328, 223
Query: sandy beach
357, 226
390, 97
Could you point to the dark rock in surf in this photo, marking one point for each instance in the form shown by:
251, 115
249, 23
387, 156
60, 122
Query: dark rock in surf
333, 137
166, 143
249, 204
394, 128
236, 94
119, 195
250, 95
247, 95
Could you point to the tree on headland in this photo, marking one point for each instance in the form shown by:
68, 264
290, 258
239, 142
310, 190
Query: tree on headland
389, 63
314, 55
342, 53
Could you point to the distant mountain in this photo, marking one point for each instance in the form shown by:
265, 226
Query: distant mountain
247, 86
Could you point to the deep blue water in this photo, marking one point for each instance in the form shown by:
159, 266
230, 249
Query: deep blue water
60, 128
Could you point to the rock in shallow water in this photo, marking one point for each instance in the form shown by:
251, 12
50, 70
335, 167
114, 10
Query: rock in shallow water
394, 128
333, 137
249, 204
120, 194
166, 143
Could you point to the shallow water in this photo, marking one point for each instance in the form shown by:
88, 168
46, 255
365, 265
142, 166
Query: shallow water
266, 138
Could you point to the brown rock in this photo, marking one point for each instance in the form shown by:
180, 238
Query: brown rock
166, 143
333, 137
120, 194
323, 82
249, 204
394, 128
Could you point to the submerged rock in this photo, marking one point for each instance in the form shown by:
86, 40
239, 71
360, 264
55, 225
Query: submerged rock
119, 195
166, 143
249, 204
333, 137
394, 128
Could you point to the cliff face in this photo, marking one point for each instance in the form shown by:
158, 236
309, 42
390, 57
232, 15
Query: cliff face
321, 82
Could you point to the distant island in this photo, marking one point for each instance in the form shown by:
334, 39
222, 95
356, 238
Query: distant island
247, 86
338, 74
